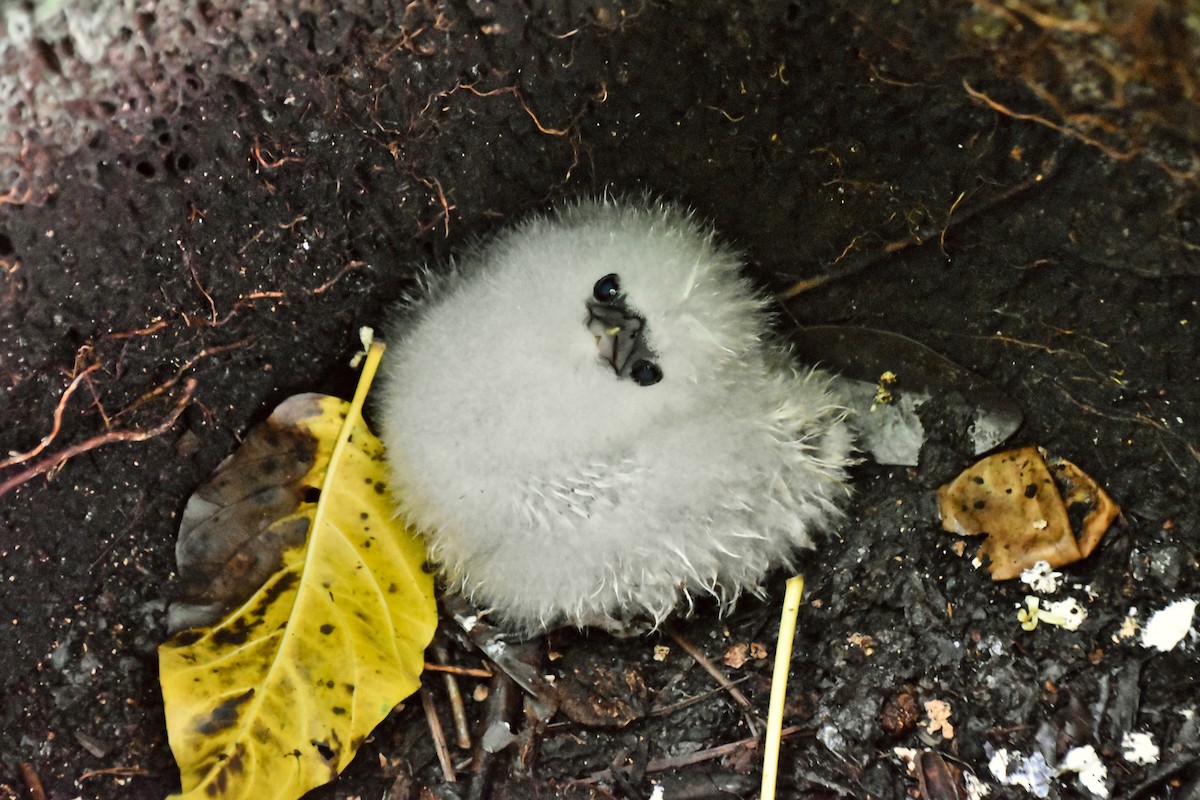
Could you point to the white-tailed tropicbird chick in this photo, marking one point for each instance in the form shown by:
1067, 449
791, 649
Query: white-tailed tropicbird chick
590, 421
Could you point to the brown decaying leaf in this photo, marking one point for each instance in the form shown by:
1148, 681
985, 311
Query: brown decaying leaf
1024, 505
937, 779
602, 695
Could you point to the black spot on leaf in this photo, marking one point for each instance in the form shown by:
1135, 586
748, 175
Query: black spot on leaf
325, 750
238, 634
188, 637
282, 585
225, 715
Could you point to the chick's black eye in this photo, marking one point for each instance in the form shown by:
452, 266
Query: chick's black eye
607, 288
645, 373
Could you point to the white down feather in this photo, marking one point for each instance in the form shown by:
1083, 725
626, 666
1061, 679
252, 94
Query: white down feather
551, 490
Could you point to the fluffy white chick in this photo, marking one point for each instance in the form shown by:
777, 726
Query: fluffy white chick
590, 421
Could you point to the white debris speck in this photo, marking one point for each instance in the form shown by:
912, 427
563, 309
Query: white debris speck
1167, 627
831, 737
1042, 577
1032, 774
1128, 627
976, 789
1138, 747
939, 712
497, 737
1069, 610
909, 756
1090, 769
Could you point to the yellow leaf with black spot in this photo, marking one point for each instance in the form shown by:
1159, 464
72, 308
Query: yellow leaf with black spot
313, 605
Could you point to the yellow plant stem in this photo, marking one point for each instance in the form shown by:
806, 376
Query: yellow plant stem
783, 661
353, 414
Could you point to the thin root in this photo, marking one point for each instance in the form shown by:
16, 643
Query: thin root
56, 460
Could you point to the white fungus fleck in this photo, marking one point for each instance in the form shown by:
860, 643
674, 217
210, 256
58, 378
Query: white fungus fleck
1138, 747
976, 789
1030, 773
1070, 610
1092, 773
1167, 626
1042, 577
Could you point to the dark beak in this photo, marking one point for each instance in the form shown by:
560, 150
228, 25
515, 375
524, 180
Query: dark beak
619, 336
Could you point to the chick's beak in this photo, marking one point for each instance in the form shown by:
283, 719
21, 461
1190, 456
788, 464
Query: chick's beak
618, 334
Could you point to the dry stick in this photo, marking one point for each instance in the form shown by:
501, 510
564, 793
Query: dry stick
859, 262
466, 672
666, 711
439, 736
753, 721
711, 669
132, 435
462, 731
120, 772
689, 759
700, 756
501, 707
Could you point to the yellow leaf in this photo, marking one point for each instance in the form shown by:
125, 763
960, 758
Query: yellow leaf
276, 698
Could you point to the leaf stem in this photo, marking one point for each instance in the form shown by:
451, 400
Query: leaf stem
783, 661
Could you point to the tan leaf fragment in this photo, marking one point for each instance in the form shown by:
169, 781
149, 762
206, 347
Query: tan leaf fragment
1024, 506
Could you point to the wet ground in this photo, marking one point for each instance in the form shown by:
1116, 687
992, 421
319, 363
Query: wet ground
1015, 187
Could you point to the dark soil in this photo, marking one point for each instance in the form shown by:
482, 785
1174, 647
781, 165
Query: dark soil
222, 258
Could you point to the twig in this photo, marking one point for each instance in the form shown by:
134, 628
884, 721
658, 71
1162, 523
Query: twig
711, 669
690, 759
861, 261
439, 736
666, 711
466, 672
462, 730
130, 435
